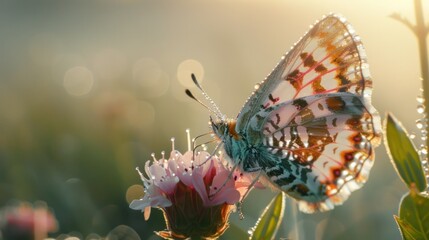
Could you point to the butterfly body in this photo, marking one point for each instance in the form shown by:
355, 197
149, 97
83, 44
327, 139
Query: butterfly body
310, 128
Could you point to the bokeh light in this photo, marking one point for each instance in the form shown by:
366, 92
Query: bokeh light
134, 192
78, 81
188, 67
110, 64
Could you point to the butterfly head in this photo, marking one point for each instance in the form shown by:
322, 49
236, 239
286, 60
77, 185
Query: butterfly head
224, 128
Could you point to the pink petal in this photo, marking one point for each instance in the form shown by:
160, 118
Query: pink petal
160, 201
221, 182
200, 187
140, 204
163, 180
229, 196
168, 184
202, 163
178, 165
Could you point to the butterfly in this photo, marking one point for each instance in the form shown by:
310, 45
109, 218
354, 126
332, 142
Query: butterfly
309, 128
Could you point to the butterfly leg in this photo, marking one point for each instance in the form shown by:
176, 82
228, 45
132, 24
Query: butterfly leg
211, 155
240, 203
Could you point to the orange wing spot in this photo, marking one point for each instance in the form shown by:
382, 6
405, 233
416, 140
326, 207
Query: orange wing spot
317, 86
348, 156
335, 104
231, 129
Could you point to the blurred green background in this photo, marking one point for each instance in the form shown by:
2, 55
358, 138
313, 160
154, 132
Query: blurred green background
90, 88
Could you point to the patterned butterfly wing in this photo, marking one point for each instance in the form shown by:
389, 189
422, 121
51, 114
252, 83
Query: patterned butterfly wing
313, 118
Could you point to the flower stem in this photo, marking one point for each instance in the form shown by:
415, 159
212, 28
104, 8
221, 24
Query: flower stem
421, 32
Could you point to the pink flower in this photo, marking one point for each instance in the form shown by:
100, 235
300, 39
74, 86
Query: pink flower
24, 221
195, 192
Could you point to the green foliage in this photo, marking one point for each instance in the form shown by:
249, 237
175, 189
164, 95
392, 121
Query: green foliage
271, 218
407, 231
413, 220
414, 209
403, 154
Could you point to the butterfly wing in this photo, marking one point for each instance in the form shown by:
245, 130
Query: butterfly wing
314, 119
329, 58
318, 148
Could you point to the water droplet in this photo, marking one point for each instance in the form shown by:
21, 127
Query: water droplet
420, 99
257, 86
420, 109
412, 136
419, 124
424, 150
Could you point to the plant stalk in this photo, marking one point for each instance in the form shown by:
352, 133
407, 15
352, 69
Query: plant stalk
421, 32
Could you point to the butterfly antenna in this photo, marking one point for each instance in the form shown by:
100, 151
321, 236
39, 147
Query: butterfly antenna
216, 110
189, 93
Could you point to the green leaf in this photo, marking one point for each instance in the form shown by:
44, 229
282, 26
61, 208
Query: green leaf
403, 154
407, 231
414, 209
269, 222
